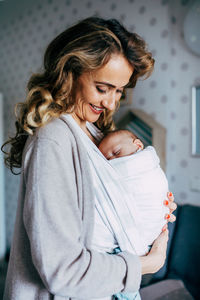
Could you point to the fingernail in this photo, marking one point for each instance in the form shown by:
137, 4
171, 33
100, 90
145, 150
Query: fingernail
166, 202
164, 228
170, 194
167, 216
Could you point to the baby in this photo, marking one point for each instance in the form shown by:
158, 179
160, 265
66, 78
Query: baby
119, 143
141, 174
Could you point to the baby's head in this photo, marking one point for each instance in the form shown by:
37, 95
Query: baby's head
119, 143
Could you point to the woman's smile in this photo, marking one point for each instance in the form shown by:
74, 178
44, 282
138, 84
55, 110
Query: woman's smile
96, 109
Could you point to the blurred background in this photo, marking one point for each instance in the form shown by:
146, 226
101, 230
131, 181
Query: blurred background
27, 27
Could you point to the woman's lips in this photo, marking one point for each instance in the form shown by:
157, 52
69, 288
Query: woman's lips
96, 109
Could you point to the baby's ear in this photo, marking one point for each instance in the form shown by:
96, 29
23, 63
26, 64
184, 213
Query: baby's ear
138, 143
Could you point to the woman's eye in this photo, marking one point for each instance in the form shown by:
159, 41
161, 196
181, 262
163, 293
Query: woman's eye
100, 90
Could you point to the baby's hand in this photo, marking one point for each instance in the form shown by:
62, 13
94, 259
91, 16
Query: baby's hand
172, 207
139, 144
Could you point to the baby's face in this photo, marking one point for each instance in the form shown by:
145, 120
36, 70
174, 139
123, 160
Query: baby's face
118, 145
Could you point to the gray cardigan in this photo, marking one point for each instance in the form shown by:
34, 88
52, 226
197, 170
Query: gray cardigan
51, 256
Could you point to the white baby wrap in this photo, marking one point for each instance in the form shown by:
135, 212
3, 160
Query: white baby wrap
111, 199
148, 188
129, 210
129, 195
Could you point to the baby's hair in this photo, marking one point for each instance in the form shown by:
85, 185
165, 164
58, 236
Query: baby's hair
116, 131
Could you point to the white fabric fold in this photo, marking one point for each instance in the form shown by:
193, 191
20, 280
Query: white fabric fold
112, 198
148, 186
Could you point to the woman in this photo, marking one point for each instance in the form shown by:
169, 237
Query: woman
85, 70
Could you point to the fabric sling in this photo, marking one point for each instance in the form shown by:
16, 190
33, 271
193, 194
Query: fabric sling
111, 196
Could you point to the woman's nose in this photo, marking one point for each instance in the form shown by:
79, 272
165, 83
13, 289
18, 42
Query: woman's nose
109, 102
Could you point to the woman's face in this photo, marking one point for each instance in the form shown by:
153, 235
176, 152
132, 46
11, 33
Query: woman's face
101, 89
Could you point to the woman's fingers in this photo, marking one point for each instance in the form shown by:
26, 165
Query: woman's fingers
170, 196
170, 218
172, 207
170, 202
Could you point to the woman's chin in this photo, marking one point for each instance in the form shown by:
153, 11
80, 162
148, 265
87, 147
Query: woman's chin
92, 119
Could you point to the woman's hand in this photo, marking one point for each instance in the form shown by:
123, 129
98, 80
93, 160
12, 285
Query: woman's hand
155, 259
172, 207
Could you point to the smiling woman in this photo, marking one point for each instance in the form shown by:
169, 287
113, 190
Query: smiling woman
86, 68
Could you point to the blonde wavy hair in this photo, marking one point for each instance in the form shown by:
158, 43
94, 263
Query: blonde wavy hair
86, 46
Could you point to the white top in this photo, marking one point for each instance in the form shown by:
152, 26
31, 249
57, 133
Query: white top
102, 230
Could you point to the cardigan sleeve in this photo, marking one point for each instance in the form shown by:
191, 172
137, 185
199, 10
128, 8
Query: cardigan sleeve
54, 227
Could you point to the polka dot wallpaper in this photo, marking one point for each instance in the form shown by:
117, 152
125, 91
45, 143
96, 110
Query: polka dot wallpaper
26, 28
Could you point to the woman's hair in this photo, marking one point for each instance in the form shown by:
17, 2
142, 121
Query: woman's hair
84, 47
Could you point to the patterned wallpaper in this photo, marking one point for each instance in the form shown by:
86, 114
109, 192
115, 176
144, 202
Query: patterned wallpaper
26, 28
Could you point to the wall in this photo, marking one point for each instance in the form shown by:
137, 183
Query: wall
167, 96
2, 190
26, 28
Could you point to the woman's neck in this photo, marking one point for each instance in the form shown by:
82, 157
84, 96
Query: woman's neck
83, 126
80, 122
